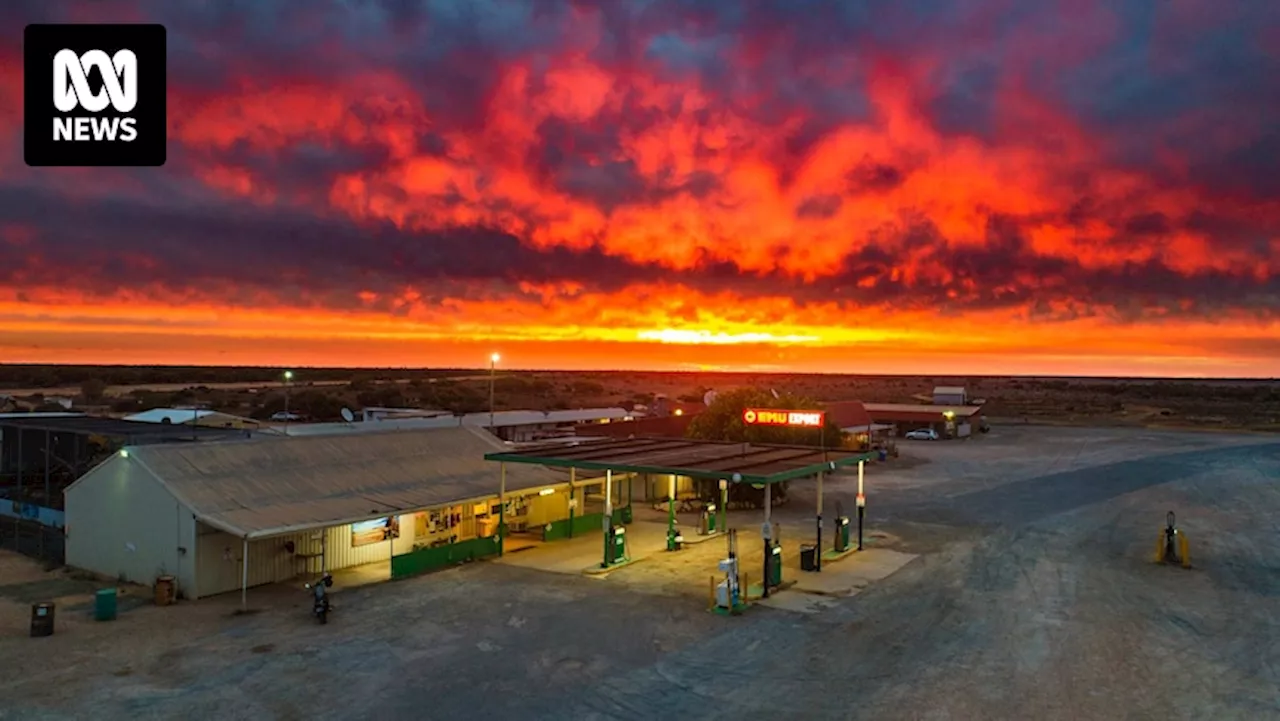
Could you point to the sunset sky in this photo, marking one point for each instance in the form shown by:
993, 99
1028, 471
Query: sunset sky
1070, 187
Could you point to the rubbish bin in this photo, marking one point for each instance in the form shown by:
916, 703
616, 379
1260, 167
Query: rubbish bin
41, 619
884, 455
164, 590
104, 605
808, 558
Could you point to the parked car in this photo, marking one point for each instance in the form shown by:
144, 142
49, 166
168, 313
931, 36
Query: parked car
283, 416
922, 434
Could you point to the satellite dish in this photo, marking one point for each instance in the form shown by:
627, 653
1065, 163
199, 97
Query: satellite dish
709, 397
347, 415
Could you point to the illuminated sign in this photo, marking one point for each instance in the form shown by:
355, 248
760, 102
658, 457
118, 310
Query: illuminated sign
771, 417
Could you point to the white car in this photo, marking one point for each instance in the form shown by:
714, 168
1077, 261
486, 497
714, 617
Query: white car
922, 434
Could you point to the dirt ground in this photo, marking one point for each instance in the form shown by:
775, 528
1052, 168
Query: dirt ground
1032, 598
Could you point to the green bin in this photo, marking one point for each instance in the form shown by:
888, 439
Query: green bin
104, 605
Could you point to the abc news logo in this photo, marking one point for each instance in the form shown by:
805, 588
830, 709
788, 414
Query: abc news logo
71, 91
107, 106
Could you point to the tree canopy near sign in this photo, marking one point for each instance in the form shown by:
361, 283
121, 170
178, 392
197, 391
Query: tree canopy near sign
722, 421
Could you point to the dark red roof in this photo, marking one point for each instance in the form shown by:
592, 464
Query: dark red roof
848, 414
917, 413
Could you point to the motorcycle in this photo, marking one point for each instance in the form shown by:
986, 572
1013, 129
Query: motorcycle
320, 605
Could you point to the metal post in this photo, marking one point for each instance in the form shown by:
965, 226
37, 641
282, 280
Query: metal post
573, 478
817, 550
768, 533
244, 576
195, 420
286, 402
862, 503
502, 505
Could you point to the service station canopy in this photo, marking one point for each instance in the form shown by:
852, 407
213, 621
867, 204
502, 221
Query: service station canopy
756, 463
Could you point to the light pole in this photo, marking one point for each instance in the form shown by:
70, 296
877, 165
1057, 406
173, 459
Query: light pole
288, 376
493, 366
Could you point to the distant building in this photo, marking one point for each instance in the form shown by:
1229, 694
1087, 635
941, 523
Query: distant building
515, 426
950, 396
193, 416
852, 418
948, 421
383, 414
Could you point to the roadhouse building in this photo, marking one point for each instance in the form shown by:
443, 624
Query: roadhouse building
226, 516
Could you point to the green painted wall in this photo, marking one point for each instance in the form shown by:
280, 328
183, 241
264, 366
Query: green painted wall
431, 559
583, 524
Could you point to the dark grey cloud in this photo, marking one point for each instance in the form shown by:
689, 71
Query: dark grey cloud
273, 252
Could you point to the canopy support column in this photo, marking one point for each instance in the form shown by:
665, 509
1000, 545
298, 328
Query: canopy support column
817, 551
862, 502
573, 480
608, 516
502, 505
767, 533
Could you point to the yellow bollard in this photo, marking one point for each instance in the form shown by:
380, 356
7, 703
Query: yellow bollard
1184, 549
711, 593
1159, 557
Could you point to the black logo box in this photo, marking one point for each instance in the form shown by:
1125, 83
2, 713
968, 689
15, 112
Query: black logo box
148, 43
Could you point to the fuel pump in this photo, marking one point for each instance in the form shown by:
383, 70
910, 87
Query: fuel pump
728, 592
615, 544
708, 520
842, 529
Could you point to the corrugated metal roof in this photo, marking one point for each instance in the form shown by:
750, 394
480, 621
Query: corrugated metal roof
912, 412
501, 419
687, 457
948, 390
268, 487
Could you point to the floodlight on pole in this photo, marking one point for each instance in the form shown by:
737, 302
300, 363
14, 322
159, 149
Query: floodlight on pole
288, 376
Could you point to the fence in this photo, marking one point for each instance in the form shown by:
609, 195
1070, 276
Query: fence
33, 539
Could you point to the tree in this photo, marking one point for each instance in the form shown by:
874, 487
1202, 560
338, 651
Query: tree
93, 389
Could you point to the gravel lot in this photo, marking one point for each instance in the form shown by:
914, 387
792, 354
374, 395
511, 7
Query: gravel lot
1033, 598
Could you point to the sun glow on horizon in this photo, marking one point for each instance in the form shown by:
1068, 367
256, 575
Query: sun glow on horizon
705, 337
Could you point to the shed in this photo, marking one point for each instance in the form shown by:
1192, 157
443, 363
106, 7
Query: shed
950, 396
288, 505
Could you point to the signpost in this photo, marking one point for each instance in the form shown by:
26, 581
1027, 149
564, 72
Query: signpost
791, 419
